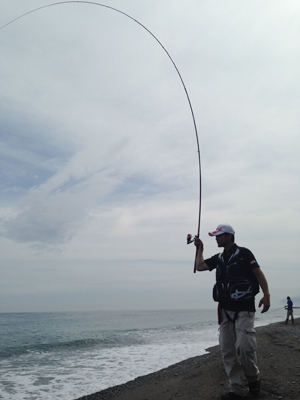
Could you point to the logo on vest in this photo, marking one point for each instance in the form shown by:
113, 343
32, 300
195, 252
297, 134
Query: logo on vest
238, 294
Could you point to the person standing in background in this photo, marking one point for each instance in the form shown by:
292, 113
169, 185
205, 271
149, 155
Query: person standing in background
289, 308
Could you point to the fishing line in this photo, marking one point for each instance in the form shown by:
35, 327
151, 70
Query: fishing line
165, 50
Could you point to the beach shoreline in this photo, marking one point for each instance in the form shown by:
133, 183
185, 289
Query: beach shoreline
203, 377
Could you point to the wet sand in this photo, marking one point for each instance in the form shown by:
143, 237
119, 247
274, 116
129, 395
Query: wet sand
203, 377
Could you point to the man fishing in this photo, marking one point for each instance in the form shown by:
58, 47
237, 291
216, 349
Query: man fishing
238, 277
289, 308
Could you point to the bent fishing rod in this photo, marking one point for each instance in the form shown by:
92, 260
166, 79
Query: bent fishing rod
190, 239
283, 307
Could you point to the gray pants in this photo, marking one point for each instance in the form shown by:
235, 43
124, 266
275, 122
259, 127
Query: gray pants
288, 315
238, 348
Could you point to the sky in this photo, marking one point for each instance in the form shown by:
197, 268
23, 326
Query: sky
99, 181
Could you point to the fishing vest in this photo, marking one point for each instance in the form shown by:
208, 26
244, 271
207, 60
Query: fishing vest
234, 280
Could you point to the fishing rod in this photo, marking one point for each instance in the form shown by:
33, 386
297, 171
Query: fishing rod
190, 239
284, 307
276, 309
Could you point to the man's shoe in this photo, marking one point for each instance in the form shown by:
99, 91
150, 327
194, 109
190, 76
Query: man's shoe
254, 388
231, 396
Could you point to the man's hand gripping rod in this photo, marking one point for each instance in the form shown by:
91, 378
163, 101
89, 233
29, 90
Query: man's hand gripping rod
190, 239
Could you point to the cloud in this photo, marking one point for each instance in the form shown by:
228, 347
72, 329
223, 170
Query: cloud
98, 149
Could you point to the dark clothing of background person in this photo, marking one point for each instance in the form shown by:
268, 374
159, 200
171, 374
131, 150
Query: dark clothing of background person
289, 308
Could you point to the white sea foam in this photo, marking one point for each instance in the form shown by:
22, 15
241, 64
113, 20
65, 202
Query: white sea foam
90, 371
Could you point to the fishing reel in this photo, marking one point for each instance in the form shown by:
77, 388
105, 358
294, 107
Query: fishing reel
190, 239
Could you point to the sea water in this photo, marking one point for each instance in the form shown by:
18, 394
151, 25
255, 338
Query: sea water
69, 355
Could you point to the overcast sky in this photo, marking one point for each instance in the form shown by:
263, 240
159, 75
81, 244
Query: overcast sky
99, 168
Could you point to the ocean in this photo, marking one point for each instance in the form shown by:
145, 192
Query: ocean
71, 354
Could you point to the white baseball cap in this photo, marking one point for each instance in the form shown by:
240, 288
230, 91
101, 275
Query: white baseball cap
223, 228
